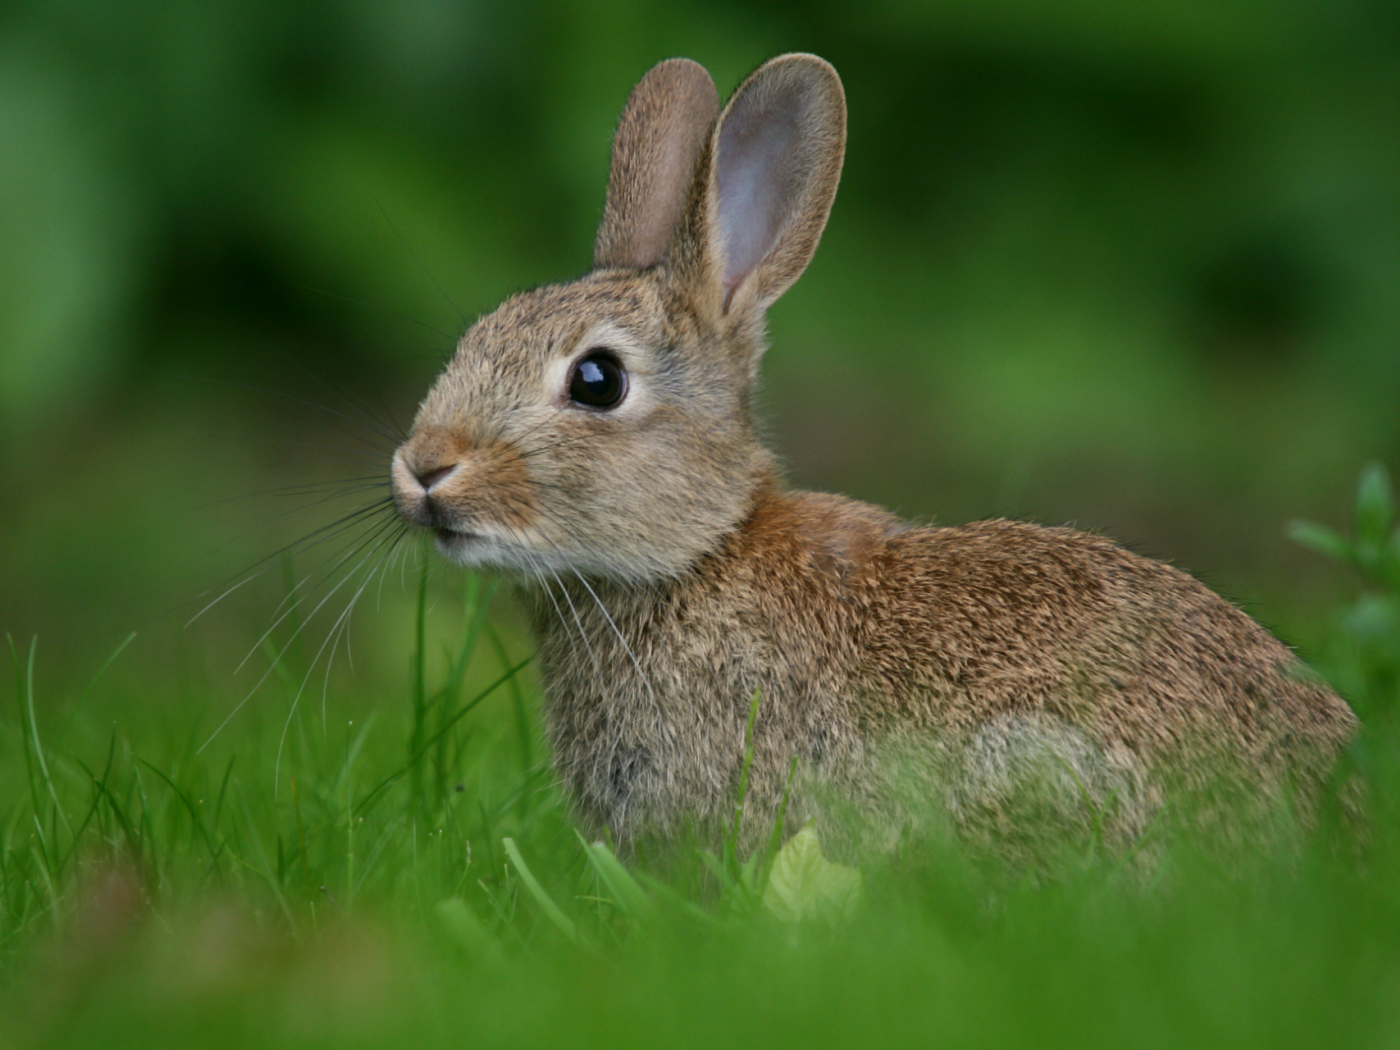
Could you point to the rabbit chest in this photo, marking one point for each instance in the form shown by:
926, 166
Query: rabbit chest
649, 689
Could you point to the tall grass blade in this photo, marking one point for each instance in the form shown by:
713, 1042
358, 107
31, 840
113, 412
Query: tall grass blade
461, 713
477, 604
732, 845
417, 749
189, 808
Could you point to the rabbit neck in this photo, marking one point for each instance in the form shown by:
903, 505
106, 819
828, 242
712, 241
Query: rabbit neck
648, 687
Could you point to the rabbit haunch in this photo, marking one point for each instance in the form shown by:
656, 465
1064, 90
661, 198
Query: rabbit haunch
913, 673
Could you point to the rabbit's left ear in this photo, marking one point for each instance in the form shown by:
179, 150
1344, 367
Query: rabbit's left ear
775, 161
664, 129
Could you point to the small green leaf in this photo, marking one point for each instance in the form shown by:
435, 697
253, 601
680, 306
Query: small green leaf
1375, 504
805, 885
1321, 539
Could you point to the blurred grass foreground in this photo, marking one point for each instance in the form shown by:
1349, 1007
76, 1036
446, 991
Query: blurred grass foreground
1132, 266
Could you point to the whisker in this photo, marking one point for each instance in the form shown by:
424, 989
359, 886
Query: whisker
375, 533
370, 455
366, 419
592, 656
396, 551
428, 273
282, 652
339, 629
369, 506
535, 568
630, 654
563, 443
325, 534
246, 579
356, 484
608, 618
341, 622
369, 304
393, 419
287, 397
501, 430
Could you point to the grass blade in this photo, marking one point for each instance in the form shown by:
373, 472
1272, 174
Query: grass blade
627, 893
461, 713
551, 910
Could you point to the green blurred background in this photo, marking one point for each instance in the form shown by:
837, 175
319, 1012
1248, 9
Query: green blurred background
1130, 265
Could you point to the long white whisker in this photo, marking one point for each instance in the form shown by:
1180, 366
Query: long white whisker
597, 668
399, 552
216, 601
383, 561
279, 618
334, 632
277, 659
362, 415
345, 628
360, 510
373, 426
328, 490
284, 613
314, 539
630, 654
538, 574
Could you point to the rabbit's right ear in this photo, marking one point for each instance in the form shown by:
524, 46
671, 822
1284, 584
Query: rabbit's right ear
764, 187
664, 128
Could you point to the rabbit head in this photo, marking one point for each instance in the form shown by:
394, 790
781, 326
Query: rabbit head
605, 426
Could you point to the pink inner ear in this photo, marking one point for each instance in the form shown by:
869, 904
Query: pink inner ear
757, 179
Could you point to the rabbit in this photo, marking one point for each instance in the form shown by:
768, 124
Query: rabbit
596, 441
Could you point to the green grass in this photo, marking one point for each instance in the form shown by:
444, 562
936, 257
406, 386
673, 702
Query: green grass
411, 878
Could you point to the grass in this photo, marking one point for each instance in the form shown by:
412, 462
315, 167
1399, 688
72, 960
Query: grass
412, 878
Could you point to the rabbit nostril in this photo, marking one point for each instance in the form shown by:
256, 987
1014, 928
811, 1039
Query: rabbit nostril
429, 478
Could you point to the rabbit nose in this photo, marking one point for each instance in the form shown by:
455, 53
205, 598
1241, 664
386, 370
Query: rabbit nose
432, 475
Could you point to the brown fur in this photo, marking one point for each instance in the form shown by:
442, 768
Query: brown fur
994, 677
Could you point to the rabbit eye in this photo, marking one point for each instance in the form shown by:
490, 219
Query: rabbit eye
599, 381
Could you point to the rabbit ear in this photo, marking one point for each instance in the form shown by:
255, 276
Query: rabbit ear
777, 159
664, 128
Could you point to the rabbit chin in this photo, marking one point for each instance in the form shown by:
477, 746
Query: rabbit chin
477, 550
482, 550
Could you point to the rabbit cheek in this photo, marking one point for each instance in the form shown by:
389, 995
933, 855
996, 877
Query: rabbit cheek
505, 496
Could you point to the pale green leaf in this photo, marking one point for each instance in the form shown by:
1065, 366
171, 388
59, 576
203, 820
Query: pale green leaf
805, 885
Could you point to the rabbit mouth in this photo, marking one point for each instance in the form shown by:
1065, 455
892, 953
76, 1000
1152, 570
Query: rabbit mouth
452, 538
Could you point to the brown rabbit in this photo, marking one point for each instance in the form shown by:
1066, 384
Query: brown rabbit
596, 439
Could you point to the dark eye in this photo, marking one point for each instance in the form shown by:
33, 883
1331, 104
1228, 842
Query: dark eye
599, 380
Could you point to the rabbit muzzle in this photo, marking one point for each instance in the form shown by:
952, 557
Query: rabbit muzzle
443, 482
